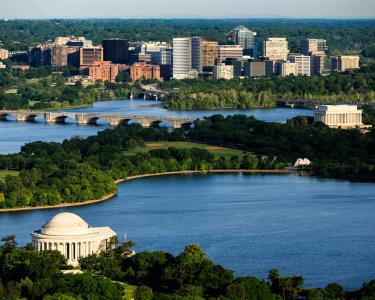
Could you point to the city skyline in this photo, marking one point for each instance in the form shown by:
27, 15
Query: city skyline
44, 9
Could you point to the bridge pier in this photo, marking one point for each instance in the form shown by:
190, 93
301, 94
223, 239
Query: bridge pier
81, 119
48, 118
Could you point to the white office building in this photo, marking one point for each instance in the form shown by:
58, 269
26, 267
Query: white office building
182, 58
303, 63
187, 57
223, 71
276, 49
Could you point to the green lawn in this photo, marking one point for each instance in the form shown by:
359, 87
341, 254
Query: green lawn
5, 173
216, 150
129, 291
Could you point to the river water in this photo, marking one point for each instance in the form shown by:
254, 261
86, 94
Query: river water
321, 229
13, 135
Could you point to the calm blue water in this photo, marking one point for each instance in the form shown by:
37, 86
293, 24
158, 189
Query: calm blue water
321, 229
13, 135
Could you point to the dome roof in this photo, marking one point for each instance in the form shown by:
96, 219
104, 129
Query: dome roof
66, 224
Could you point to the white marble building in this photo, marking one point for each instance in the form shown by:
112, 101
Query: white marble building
335, 116
72, 236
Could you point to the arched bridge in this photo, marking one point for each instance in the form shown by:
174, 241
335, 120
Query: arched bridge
92, 118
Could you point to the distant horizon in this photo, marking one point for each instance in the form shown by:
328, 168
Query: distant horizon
182, 9
196, 18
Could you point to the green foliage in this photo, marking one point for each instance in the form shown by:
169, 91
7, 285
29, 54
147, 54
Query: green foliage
85, 169
342, 35
249, 288
48, 89
289, 287
28, 274
265, 92
368, 290
143, 293
191, 275
334, 291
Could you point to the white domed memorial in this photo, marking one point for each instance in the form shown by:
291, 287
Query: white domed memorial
72, 236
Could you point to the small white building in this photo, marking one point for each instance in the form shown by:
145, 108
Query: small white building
72, 236
339, 116
302, 162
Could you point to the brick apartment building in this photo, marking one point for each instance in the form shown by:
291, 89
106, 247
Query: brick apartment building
141, 70
101, 71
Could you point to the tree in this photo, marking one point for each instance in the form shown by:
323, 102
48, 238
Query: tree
289, 287
143, 293
334, 291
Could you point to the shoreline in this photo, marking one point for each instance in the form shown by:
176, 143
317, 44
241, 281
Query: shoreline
122, 180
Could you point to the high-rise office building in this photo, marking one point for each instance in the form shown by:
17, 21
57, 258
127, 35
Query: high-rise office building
237, 66
345, 62
230, 51
187, 57
275, 49
286, 68
243, 37
90, 55
318, 62
313, 45
166, 57
115, 50
182, 57
39, 56
60, 55
196, 52
258, 68
210, 52
303, 63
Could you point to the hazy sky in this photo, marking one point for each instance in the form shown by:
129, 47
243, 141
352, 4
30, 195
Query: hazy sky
186, 8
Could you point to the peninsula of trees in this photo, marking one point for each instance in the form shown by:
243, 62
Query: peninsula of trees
83, 169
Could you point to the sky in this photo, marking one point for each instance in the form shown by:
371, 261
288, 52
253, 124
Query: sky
46, 9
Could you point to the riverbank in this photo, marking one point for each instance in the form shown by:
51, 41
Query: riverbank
109, 196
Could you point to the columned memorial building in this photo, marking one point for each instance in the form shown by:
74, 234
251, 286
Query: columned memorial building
72, 236
335, 116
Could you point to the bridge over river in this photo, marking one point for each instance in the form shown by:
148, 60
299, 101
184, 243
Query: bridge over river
92, 118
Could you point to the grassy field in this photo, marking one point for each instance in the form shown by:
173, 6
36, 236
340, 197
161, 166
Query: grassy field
5, 173
129, 291
217, 151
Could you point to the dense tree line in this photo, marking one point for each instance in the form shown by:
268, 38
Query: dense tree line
191, 275
336, 153
27, 274
82, 169
342, 35
355, 87
45, 87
